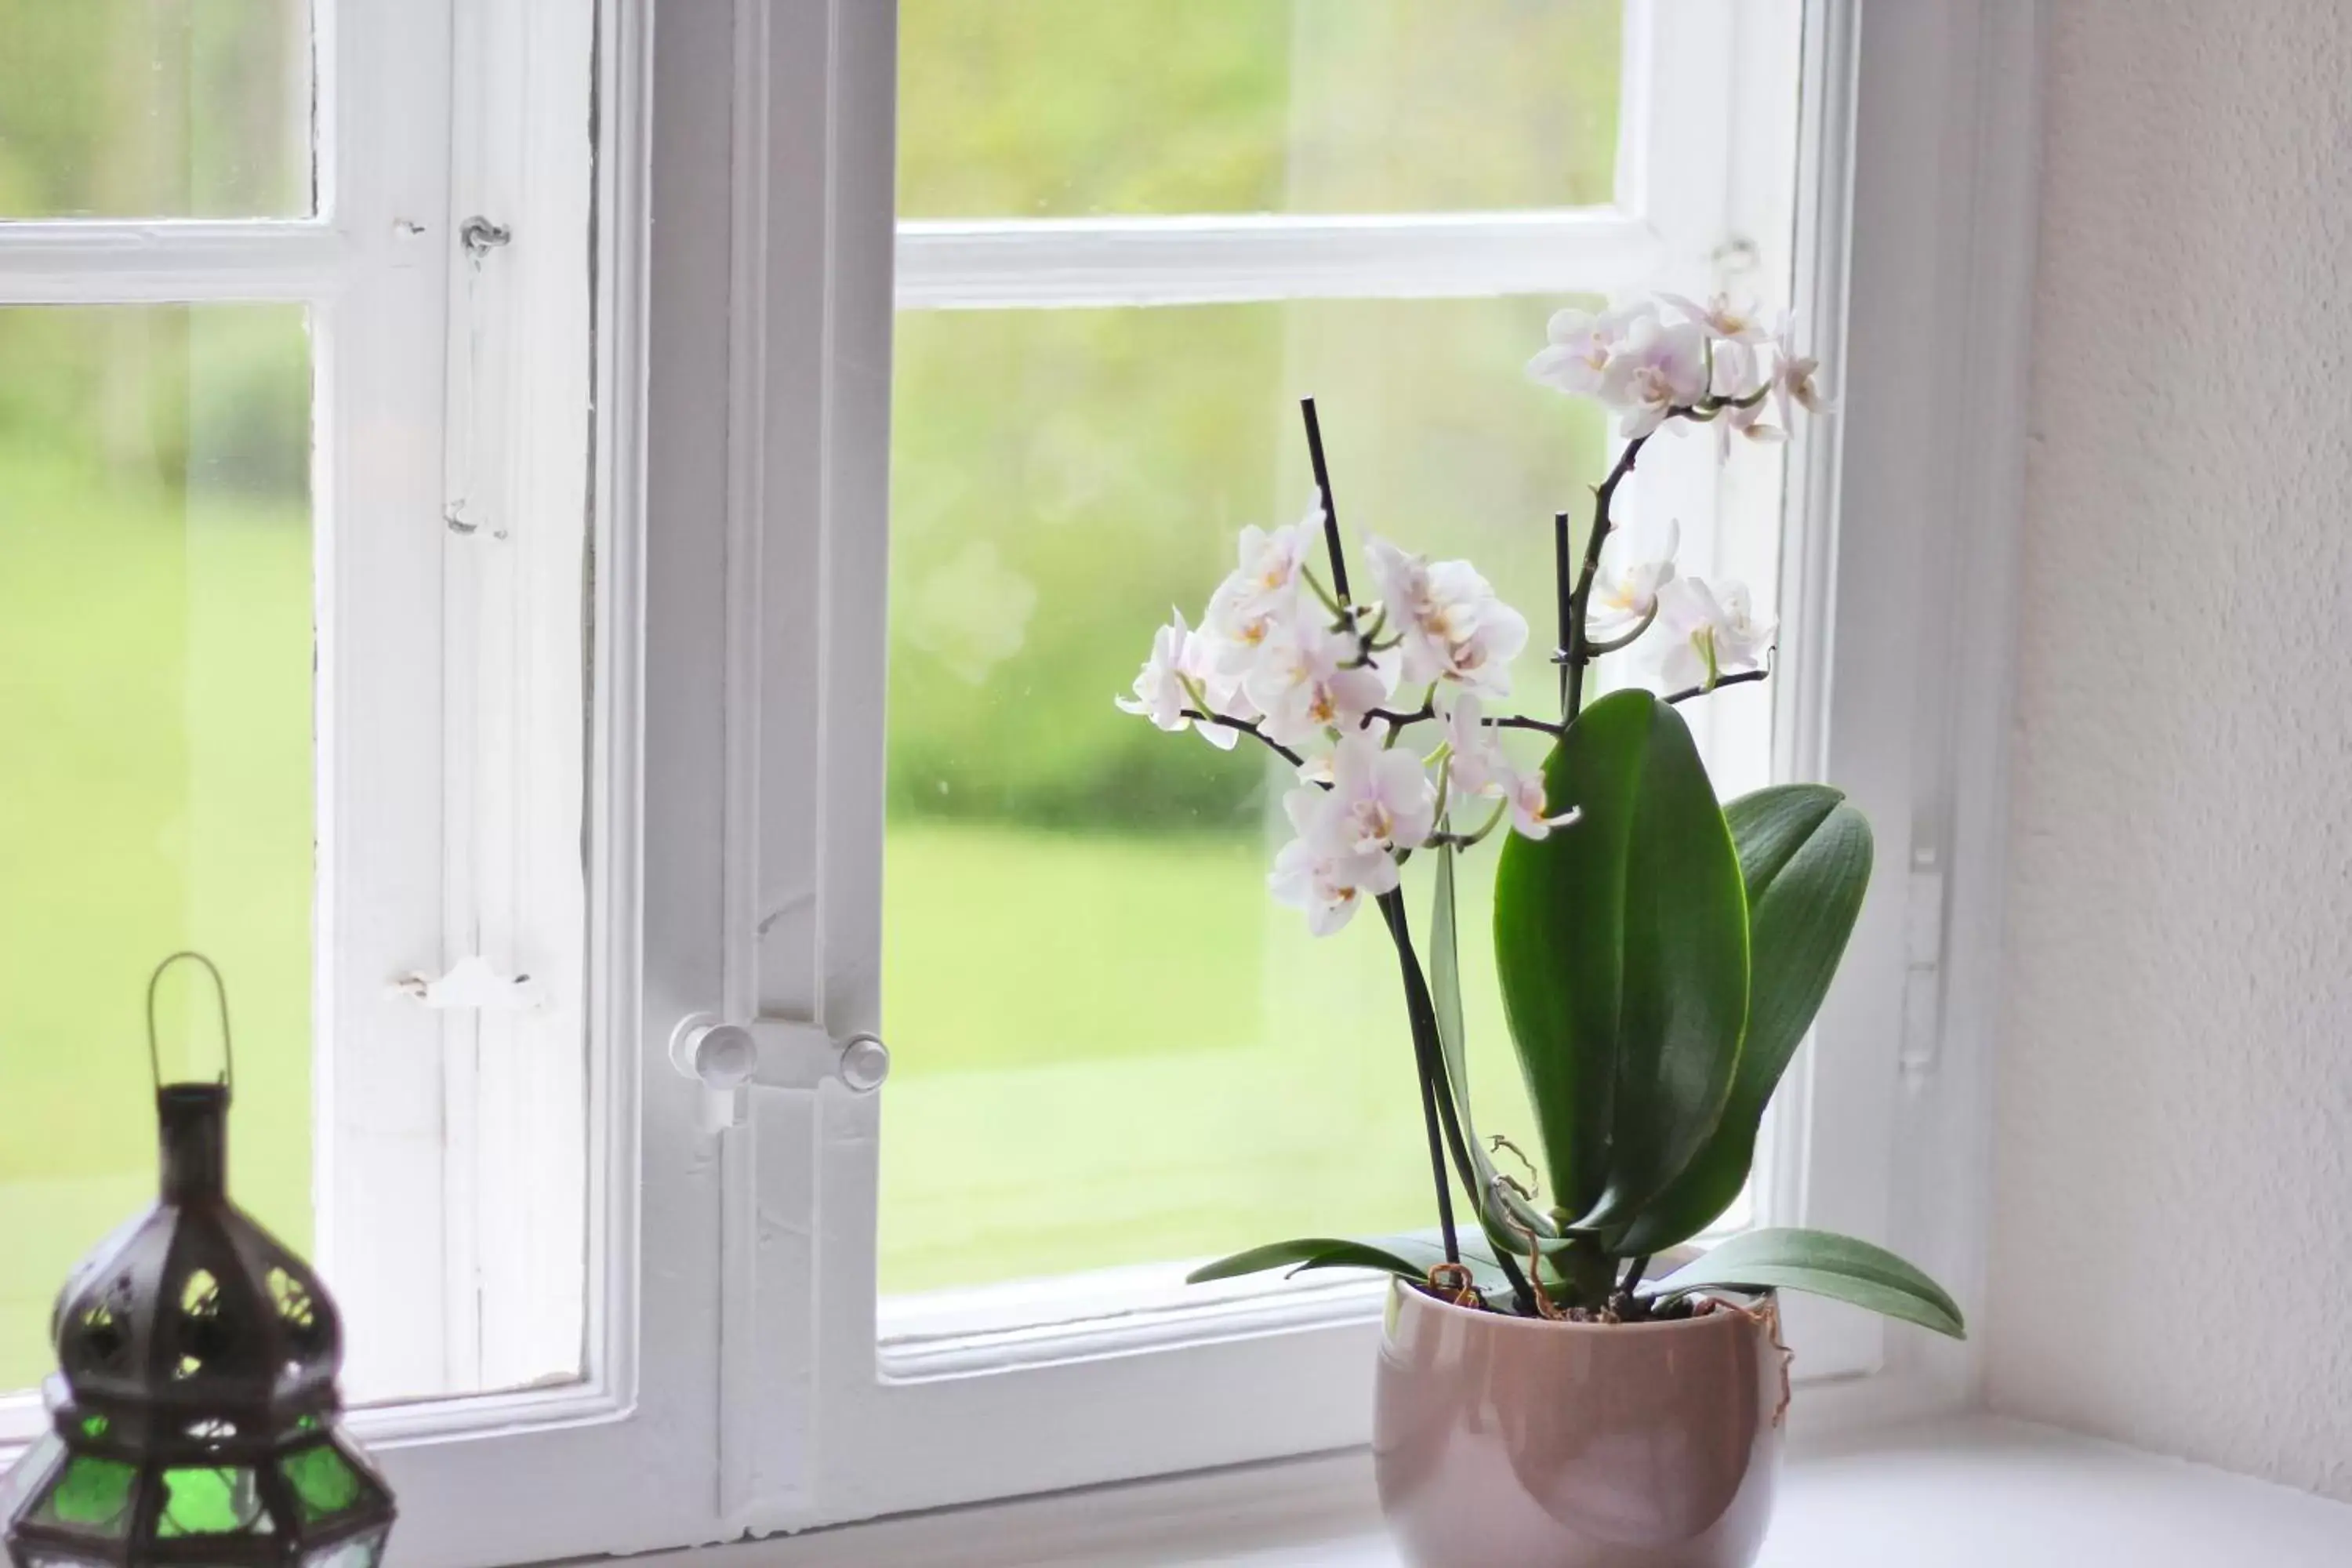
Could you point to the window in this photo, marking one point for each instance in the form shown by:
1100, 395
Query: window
1096, 349
292, 564
638, 571
1119, 232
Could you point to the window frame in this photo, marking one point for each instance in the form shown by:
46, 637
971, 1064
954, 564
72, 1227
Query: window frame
436, 1127
745, 234
1700, 104
435, 1229
817, 1427
372, 292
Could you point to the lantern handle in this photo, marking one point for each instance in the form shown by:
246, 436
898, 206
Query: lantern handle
220, 992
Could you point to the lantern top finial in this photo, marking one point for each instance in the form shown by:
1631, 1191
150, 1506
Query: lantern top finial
192, 1135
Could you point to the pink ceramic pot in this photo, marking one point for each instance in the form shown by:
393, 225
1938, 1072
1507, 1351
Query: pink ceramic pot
1504, 1442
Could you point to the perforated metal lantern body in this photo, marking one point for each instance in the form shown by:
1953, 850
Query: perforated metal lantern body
193, 1413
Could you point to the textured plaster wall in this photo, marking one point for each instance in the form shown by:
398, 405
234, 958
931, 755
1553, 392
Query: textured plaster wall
2172, 1235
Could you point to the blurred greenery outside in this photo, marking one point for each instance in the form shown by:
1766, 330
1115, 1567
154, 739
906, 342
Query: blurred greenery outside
155, 633
1110, 1047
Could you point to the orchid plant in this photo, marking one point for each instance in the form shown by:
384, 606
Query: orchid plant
1660, 955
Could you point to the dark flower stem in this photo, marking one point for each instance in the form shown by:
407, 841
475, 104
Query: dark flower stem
1248, 727
1742, 678
1437, 1091
1580, 597
1330, 511
1436, 1094
1564, 654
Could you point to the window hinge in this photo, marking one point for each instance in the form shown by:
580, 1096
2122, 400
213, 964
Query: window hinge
472, 982
1923, 964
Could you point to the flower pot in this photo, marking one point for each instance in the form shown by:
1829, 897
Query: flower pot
1505, 1442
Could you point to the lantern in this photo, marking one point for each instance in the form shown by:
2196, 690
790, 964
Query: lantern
193, 1413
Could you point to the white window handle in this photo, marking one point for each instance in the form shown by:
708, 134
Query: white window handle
776, 1053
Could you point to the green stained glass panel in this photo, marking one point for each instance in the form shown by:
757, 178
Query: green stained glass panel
325, 1483
211, 1501
91, 1494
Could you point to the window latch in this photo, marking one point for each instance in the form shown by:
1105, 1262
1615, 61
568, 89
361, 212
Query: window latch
774, 1053
472, 982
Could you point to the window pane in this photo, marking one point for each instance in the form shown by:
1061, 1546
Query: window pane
155, 749
1066, 108
1111, 1046
135, 109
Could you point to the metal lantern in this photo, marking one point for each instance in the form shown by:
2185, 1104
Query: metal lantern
193, 1413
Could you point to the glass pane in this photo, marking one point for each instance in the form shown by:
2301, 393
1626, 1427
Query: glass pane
360, 1552
208, 1501
1109, 1045
90, 1494
136, 108
29, 1473
156, 755
1066, 107
325, 1483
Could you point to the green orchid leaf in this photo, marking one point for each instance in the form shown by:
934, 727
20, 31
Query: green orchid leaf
1508, 1216
1821, 1263
1409, 1256
1805, 857
1622, 945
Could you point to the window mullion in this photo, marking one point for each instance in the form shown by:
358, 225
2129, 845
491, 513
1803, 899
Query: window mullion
514, 507
1050, 263
80, 263
379, 1180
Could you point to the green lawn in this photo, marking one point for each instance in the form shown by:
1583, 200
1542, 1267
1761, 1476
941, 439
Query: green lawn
154, 794
1113, 1050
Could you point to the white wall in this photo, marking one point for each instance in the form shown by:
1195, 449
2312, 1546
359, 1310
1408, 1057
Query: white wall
2172, 1252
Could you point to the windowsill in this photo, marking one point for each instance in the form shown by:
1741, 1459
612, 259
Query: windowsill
1965, 1491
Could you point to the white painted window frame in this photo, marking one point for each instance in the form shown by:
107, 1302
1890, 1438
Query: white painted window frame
450, 1151
373, 288
451, 1179
816, 1425
732, 1373
736, 1381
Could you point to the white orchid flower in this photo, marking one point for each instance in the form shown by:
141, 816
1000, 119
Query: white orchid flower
1625, 592
1478, 768
1175, 678
1739, 384
1474, 759
1797, 384
1524, 791
1260, 597
1747, 423
1454, 628
1711, 633
1306, 680
1380, 800
1319, 872
1328, 891
1735, 372
1580, 344
1721, 318
1658, 369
